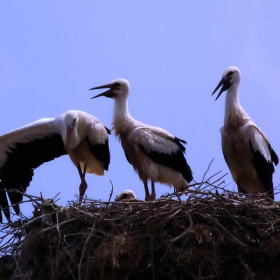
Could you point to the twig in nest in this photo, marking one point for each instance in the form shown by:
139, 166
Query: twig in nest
152, 254
57, 225
60, 224
32, 198
111, 193
219, 179
217, 223
171, 216
84, 250
54, 199
186, 231
208, 168
178, 196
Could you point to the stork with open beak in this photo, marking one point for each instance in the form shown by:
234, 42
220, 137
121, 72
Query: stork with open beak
246, 149
77, 133
154, 153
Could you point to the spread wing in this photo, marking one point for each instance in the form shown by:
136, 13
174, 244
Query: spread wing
23, 150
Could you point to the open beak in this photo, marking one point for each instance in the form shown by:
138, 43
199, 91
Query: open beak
108, 93
225, 84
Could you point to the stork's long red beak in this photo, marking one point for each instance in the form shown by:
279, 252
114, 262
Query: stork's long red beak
69, 133
108, 93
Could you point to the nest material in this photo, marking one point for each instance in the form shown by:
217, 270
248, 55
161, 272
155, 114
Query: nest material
197, 235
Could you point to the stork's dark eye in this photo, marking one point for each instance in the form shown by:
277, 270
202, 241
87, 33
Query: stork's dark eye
124, 196
229, 73
116, 86
74, 122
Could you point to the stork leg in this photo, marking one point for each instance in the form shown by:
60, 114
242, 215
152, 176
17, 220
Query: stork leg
4, 206
239, 188
83, 185
153, 194
147, 193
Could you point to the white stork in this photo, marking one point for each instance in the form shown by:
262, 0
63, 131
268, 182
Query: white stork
246, 150
125, 195
155, 154
77, 133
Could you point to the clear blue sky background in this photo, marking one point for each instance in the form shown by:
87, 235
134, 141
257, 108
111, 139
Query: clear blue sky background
172, 52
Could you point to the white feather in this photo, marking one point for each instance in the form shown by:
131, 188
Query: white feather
36, 130
153, 139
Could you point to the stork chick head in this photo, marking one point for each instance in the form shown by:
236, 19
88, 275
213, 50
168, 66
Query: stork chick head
231, 76
118, 88
71, 139
125, 195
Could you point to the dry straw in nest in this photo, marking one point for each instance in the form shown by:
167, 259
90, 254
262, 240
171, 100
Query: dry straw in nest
205, 233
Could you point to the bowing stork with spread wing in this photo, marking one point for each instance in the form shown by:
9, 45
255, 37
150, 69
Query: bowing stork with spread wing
77, 133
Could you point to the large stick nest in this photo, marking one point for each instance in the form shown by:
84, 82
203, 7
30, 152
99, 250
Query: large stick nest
200, 234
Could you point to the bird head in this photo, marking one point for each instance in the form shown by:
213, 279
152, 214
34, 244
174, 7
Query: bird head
125, 196
71, 121
116, 89
230, 76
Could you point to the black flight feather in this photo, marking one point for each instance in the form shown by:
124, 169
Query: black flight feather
101, 152
174, 161
264, 170
127, 157
22, 159
274, 156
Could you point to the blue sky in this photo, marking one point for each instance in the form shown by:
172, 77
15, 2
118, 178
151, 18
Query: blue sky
172, 52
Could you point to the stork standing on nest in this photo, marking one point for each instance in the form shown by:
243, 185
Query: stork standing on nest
154, 153
77, 133
246, 150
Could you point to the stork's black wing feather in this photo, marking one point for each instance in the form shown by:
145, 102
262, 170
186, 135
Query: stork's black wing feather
22, 159
264, 169
274, 156
176, 161
127, 158
101, 152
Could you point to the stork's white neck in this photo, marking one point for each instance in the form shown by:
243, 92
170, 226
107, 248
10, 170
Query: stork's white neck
234, 113
121, 108
123, 121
